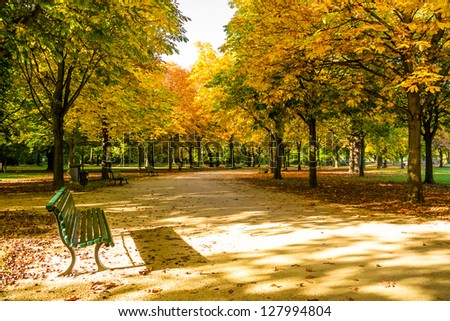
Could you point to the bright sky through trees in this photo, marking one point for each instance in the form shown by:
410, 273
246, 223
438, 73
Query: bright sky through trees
208, 18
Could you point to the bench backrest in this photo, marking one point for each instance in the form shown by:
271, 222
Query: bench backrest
111, 173
67, 215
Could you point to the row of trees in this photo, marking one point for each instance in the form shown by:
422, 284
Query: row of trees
361, 63
53, 51
361, 76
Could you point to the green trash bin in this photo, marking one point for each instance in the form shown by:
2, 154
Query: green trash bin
74, 172
84, 177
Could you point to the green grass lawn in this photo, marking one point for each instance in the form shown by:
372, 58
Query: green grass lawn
398, 175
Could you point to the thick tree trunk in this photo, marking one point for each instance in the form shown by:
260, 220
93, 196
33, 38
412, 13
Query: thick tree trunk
151, 154
379, 162
415, 189
50, 153
312, 152
278, 157
141, 157
58, 140
299, 155
354, 155
429, 177
362, 156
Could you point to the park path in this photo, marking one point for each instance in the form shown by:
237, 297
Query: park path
210, 236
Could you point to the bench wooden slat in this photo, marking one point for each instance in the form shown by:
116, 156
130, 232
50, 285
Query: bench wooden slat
89, 238
65, 208
70, 223
83, 232
108, 237
103, 230
55, 199
76, 228
96, 227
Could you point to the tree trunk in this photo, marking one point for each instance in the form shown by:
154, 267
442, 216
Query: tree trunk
402, 162
170, 154
151, 154
415, 189
50, 153
441, 158
58, 140
299, 155
210, 156
191, 156
199, 153
278, 157
70, 156
91, 156
141, 156
105, 152
354, 155
231, 146
379, 162
362, 156
312, 152
429, 179
4, 159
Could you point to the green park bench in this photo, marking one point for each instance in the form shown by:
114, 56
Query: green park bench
116, 176
79, 228
151, 170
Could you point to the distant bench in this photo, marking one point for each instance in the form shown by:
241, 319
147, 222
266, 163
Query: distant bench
116, 176
79, 228
151, 171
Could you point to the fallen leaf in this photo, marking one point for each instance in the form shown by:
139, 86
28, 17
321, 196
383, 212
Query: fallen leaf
72, 298
275, 286
387, 284
154, 290
309, 269
354, 289
99, 287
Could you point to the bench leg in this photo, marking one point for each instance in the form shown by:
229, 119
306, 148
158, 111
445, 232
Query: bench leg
72, 263
100, 265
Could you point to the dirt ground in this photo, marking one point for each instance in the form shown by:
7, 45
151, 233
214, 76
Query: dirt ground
210, 236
